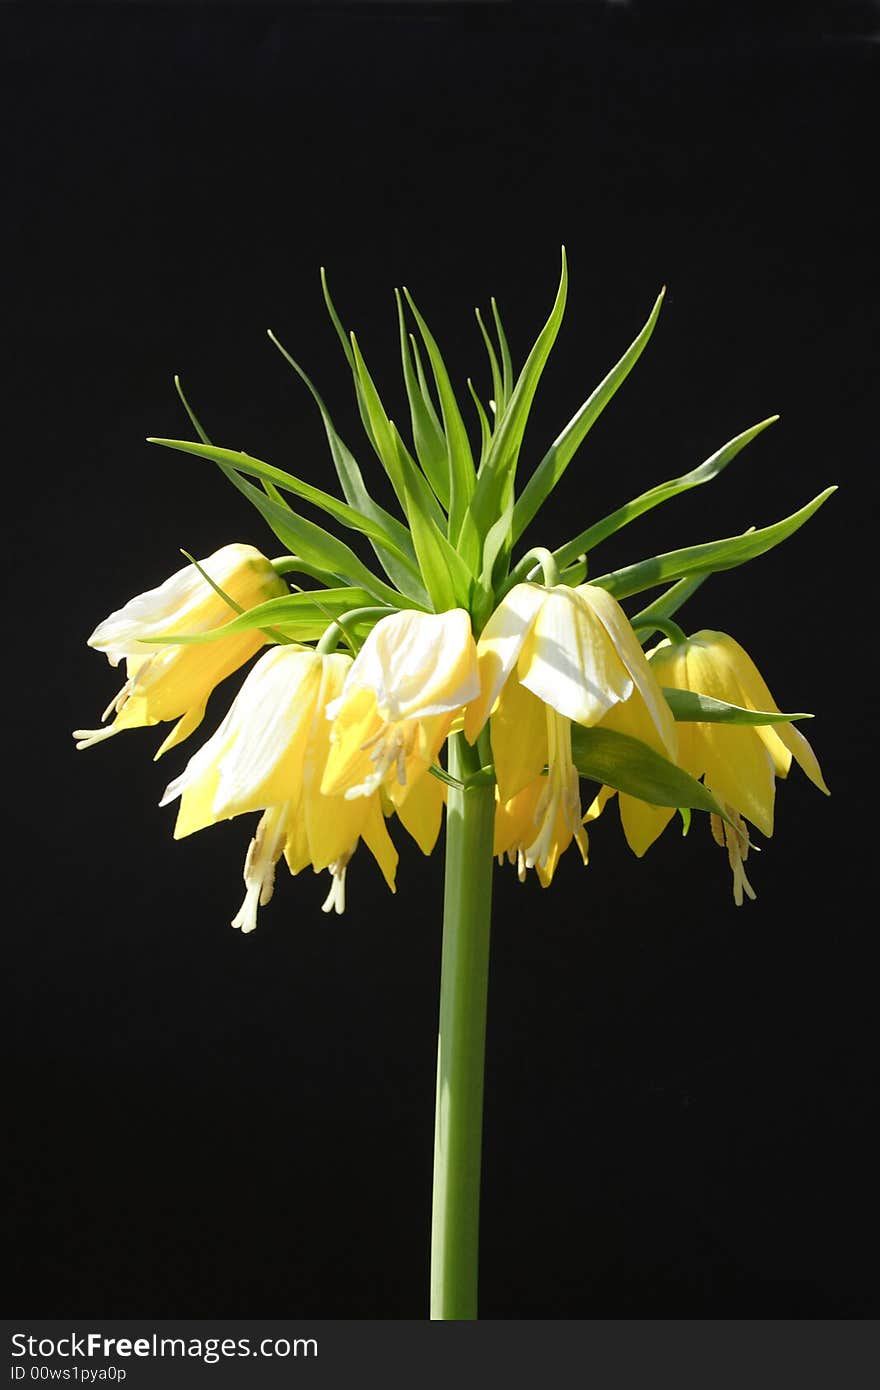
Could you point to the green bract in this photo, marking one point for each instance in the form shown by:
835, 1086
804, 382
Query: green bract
461, 518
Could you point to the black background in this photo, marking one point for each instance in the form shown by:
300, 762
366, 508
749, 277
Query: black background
680, 1095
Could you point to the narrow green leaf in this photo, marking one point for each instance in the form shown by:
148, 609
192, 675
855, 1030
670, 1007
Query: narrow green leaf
575, 573
212, 583
506, 364
340, 511
380, 429
458, 450
318, 546
497, 378
423, 381
566, 445
708, 558
616, 760
469, 546
349, 357
495, 544
687, 707
357, 495
336, 321
428, 437
485, 427
190, 412
417, 484
714, 465
448, 580
497, 475
272, 633
401, 468
497, 538
288, 610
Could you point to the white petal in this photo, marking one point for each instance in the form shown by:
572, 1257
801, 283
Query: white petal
616, 623
418, 664
257, 731
570, 660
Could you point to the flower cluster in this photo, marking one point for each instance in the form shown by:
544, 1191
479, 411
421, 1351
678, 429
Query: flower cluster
328, 747
340, 724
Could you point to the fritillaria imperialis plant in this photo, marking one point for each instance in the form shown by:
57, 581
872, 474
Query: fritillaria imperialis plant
470, 677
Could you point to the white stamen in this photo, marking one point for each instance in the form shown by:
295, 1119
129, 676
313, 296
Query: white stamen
85, 738
388, 749
560, 794
335, 900
246, 917
735, 838
263, 854
117, 702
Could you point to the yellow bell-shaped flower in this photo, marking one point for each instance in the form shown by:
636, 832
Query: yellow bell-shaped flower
174, 682
516, 820
550, 657
738, 763
406, 686
269, 754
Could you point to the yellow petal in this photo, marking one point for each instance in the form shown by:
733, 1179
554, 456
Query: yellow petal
519, 739
599, 802
354, 728
182, 730
515, 820
421, 812
782, 740
196, 810
734, 759
420, 752
296, 846
498, 650
634, 718
803, 754
379, 842
642, 823
333, 828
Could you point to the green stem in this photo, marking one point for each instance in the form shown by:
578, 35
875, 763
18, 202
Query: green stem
338, 632
461, 1046
665, 625
545, 560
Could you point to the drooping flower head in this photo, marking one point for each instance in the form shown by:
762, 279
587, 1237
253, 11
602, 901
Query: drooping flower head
550, 657
406, 686
269, 754
174, 682
738, 763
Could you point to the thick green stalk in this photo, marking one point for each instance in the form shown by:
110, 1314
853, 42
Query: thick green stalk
464, 981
